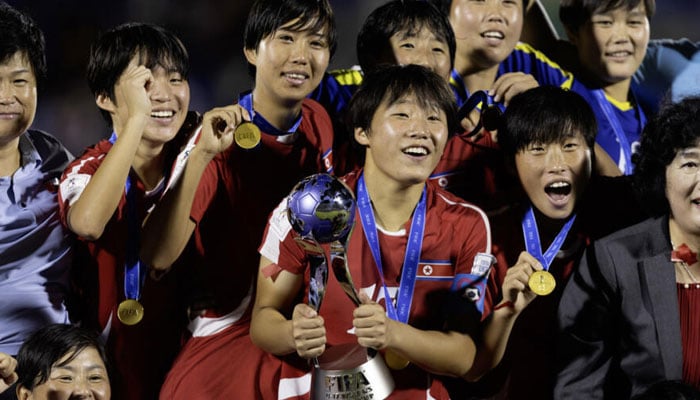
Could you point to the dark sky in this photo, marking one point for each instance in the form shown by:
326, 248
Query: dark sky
212, 32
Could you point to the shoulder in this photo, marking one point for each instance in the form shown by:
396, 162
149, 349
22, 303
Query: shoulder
451, 208
645, 239
54, 155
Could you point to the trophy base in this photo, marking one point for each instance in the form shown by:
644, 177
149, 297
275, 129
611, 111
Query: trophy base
347, 371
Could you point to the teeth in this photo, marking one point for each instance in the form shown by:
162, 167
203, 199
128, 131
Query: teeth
493, 35
416, 150
162, 114
296, 76
558, 185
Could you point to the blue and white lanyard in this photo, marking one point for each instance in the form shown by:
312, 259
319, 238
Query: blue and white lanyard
401, 311
532, 238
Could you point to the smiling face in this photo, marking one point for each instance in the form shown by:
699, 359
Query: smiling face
486, 30
405, 140
683, 190
169, 95
612, 45
422, 47
554, 175
289, 64
84, 377
18, 97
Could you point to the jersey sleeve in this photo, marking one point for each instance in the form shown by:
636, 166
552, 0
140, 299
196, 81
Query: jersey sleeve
75, 179
524, 58
279, 243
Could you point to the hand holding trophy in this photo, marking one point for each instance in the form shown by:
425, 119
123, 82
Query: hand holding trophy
321, 210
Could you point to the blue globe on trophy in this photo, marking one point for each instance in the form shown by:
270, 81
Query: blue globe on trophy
322, 208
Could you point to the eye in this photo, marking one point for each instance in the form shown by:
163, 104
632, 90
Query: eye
690, 167
96, 378
570, 146
176, 79
401, 115
636, 22
20, 82
407, 45
439, 50
284, 37
318, 44
536, 148
603, 22
510, 2
64, 378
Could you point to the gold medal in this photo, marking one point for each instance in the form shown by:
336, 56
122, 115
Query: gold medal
395, 361
247, 135
542, 283
130, 312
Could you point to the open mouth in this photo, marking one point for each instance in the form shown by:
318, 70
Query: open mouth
558, 191
296, 77
496, 35
162, 114
416, 151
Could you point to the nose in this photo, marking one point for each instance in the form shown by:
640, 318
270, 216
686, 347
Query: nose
494, 11
159, 89
81, 390
555, 161
299, 52
7, 94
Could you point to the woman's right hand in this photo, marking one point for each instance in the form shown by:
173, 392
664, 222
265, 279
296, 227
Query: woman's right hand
309, 331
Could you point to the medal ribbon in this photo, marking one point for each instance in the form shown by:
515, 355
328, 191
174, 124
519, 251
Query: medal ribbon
245, 100
413, 247
532, 239
134, 275
617, 128
462, 94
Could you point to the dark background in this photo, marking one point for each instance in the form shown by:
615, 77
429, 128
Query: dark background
212, 30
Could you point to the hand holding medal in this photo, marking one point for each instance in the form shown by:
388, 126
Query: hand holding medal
542, 282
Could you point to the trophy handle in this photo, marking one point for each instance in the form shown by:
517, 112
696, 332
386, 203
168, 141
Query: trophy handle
341, 270
318, 274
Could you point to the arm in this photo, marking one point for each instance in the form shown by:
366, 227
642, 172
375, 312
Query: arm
604, 165
270, 329
516, 297
445, 353
586, 319
92, 210
8, 376
168, 227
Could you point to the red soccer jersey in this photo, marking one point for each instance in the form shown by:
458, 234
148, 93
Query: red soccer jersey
236, 194
455, 233
141, 353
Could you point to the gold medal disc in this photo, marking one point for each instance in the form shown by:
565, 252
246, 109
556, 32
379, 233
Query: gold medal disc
247, 135
130, 312
542, 283
395, 361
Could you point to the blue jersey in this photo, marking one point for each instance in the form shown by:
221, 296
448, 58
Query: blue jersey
620, 124
524, 58
336, 89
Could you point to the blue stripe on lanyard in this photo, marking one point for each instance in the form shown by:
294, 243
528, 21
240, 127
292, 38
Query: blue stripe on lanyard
413, 247
532, 238
134, 275
617, 128
245, 100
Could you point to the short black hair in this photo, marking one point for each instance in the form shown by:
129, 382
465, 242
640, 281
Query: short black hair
392, 82
45, 347
111, 53
267, 16
400, 16
574, 13
545, 114
674, 128
19, 33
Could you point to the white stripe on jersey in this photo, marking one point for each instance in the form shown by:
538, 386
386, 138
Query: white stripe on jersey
487, 225
279, 228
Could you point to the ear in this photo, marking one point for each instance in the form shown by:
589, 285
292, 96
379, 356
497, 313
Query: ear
23, 393
251, 55
361, 136
105, 103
